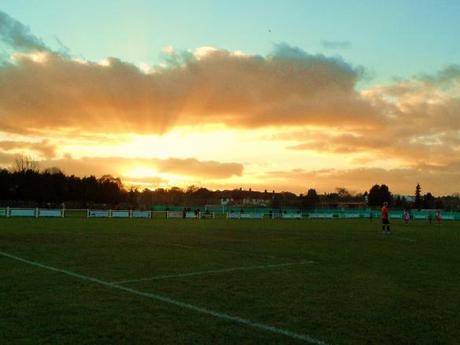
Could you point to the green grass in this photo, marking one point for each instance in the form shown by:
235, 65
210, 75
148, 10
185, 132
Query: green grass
362, 288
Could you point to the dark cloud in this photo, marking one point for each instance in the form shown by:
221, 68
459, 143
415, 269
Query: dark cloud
18, 36
447, 75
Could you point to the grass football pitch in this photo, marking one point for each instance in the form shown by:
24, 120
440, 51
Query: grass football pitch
217, 281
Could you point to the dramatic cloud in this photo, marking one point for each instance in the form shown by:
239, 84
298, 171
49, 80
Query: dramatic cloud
43, 91
43, 148
423, 123
308, 102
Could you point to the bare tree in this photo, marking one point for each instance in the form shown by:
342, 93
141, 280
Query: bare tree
24, 163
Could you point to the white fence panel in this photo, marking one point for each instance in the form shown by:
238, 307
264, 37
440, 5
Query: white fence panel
120, 214
321, 215
141, 214
16, 212
174, 214
207, 215
98, 213
191, 215
232, 215
50, 213
245, 215
291, 215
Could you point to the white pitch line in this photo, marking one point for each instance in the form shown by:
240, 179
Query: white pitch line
224, 270
164, 299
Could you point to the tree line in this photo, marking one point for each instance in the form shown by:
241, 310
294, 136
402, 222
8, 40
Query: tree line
26, 186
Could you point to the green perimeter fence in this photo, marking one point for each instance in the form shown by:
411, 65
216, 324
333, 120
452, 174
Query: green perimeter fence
312, 213
221, 212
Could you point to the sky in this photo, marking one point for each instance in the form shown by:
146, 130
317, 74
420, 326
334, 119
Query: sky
278, 95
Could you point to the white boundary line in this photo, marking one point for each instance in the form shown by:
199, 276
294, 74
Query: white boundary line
224, 270
164, 299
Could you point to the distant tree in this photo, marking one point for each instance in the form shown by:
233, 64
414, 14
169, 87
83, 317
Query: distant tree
418, 197
386, 194
343, 193
23, 163
439, 204
310, 200
276, 201
429, 201
133, 197
176, 196
374, 198
401, 202
379, 194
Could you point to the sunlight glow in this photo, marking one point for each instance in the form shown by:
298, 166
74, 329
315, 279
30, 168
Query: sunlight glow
140, 172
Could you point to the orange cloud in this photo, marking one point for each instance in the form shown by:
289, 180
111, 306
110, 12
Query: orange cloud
287, 88
44, 148
311, 101
441, 180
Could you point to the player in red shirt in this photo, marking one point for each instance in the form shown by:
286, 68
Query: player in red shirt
385, 219
437, 217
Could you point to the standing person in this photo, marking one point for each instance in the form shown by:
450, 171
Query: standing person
385, 219
406, 216
437, 217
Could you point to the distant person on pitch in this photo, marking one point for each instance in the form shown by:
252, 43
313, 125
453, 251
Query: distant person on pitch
385, 219
437, 217
406, 216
